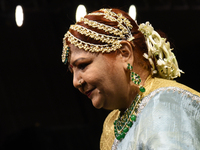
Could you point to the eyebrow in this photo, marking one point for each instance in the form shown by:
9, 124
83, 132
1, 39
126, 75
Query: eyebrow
74, 63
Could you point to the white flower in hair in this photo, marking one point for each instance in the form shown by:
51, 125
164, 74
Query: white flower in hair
166, 65
146, 29
160, 62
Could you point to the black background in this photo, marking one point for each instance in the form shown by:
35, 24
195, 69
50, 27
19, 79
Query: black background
39, 107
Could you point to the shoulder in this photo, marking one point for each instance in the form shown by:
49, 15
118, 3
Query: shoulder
173, 83
171, 95
156, 83
171, 117
107, 137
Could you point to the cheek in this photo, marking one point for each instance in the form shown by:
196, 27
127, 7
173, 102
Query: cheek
97, 78
93, 76
101, 73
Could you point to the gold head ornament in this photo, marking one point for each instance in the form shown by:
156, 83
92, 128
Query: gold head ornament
161, 59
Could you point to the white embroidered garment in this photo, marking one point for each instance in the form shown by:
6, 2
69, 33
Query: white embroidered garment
170, 120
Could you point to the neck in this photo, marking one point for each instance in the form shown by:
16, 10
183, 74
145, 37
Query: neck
134, 89
142, 72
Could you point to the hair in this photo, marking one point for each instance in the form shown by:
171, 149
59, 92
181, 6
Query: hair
151, 51
138, 44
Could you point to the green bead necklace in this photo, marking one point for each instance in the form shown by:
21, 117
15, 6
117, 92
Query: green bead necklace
125, 122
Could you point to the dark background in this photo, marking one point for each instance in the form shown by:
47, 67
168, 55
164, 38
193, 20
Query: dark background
39, 108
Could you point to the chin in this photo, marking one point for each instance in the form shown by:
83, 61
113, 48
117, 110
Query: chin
97, 104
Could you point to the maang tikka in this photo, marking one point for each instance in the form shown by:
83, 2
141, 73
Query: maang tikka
65, 54
135, 78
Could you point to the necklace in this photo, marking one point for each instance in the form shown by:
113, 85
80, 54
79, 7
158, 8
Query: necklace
124, 122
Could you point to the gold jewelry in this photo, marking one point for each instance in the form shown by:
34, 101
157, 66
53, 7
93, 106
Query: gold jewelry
104, 27
125, 122
92, 47
97, 36
108, 14
112, 42
65, 52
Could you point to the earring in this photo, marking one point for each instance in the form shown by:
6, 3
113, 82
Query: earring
65, 54
135, 78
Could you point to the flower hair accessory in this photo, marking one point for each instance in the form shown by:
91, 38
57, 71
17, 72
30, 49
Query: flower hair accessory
166, 65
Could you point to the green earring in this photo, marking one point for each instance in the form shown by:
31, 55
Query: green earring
135, 78
65, 55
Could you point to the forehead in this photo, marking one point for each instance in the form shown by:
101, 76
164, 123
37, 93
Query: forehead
76, 53
75, 50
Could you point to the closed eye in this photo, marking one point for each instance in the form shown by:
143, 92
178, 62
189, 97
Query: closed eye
82, 66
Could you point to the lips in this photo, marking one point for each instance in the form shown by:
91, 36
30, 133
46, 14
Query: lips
88, 93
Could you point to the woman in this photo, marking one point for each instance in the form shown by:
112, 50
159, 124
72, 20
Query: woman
130, 69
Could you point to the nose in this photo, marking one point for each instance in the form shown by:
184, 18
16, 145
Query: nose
76, 78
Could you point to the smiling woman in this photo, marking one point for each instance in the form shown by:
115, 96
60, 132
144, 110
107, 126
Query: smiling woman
130, 69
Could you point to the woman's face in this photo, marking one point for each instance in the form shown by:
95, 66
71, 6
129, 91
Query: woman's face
103, 77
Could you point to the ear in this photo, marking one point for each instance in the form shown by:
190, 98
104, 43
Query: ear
126, 52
